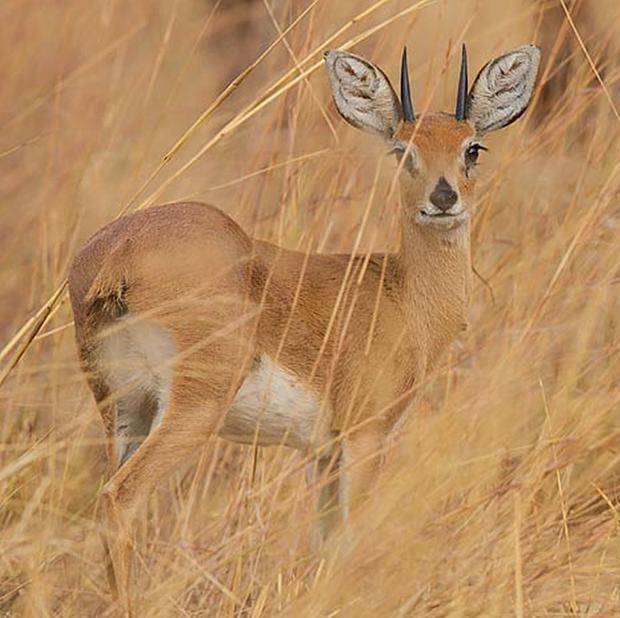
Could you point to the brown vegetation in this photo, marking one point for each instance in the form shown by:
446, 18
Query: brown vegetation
500, 496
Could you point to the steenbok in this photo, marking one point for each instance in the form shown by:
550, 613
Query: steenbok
187, 328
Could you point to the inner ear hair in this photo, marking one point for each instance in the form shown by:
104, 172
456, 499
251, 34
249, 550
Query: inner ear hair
503, 88
363, 94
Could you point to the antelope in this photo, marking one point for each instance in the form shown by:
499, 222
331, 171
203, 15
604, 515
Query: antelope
188, 328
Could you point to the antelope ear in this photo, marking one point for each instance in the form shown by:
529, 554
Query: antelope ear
503, 88
363, 94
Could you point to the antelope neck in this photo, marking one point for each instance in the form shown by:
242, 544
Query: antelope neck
436, 280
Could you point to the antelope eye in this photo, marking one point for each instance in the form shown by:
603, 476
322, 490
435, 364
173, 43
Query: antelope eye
472, 152
400, 150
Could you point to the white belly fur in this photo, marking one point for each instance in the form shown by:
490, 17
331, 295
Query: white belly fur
273, 407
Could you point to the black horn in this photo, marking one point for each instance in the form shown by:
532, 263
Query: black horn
461, 95
405, 90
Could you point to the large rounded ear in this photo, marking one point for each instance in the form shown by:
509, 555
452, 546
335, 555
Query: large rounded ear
363, 94
503, 88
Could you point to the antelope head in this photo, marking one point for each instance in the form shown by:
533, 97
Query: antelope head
438, 152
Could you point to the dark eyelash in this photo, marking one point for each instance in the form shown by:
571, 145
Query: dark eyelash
471, 156
472, 151
478, 146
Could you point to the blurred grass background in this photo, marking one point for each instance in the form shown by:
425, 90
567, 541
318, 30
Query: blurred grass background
501, 495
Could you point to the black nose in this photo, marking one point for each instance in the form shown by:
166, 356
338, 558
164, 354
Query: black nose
443, 195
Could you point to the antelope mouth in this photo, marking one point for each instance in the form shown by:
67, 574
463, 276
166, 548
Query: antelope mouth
441, 215
449, 219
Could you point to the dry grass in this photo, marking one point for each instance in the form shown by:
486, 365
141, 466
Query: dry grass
501, 496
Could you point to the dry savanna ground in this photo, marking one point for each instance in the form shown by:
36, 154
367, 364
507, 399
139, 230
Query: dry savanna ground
501, 494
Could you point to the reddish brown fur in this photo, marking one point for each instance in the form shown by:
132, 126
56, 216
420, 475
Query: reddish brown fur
438, 139
227, 299
166, 255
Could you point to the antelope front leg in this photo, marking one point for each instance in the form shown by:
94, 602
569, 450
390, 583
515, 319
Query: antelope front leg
359, 465
325, 471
